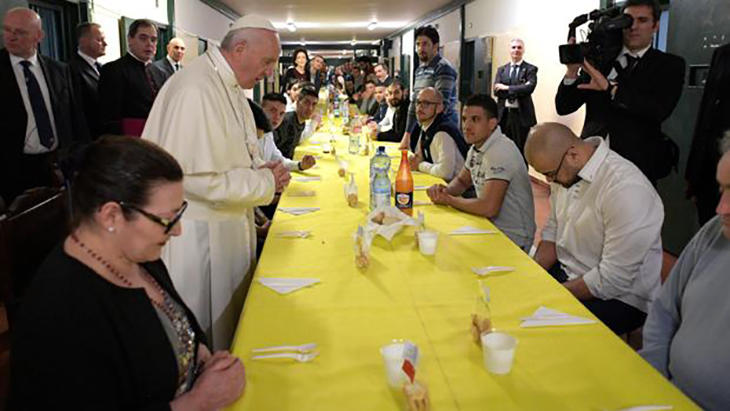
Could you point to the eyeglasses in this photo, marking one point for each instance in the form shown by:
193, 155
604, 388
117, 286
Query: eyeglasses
168, 223
550, 175
426, 103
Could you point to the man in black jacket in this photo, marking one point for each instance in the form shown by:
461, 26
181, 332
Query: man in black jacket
393, 125
128, 86
85, 69
713, 120
513, 86
628, 103
172, 62
40, 119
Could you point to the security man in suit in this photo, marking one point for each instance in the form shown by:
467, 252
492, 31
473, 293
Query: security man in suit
628, 104
172, 62
513, 87
85, 69
40, 120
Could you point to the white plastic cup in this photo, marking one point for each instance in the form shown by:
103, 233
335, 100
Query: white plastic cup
427, 241
393, 361
499, 352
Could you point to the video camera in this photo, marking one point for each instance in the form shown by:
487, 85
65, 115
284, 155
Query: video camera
605, 39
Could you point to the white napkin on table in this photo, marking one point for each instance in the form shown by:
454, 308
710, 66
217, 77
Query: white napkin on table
305, 193
293, 234
421, 203
420, 188
491, 269
547, 316
287, 285
308, 178
298, 210
466, 230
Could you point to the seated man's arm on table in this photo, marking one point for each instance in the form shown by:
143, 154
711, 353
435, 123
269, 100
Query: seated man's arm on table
438, 193
488, 204
443, 152
546, 254
664, 313
242, 186
632, 220
276, 155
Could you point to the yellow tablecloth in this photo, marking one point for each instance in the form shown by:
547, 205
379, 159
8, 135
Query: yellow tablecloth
427, 300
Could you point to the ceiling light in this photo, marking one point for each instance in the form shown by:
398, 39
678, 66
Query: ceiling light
303, 42
353, 42
372, 25
291, 26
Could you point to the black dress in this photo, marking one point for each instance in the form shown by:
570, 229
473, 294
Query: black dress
82, 342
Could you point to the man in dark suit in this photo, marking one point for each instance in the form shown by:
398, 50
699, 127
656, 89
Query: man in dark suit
513, 87
128, 86
629, 103
394, 125
712, 122
172, 62
40, 121
85, 69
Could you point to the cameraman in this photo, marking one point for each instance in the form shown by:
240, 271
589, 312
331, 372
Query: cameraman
628, 103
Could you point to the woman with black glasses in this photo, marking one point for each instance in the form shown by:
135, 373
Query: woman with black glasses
102, 326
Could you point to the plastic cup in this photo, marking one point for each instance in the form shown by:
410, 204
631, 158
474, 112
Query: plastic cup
393, 361
499, 352
427, 241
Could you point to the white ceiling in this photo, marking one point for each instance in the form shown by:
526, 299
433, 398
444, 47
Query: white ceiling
337, 20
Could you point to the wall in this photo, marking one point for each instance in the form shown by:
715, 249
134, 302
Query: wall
543, 26
6, 5
108, 12
199, 19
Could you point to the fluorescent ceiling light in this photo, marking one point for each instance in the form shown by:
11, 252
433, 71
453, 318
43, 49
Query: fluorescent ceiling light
372, 25
291, 26
329, 26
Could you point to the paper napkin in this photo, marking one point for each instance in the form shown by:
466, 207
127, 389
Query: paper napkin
293, 234
308, 178
287, 285
546, 317
466, 230
491, 269
298, 210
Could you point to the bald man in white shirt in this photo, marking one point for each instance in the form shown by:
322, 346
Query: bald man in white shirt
603, 237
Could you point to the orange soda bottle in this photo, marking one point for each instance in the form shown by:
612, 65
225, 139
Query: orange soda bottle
404, 185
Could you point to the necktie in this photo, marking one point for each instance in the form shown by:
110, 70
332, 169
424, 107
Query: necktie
513, 74
631, 63
177, 67
98, 66
38, 104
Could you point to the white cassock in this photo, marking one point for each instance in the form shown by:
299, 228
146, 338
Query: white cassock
202, 118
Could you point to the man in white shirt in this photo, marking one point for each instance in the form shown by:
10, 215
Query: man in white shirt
202, 118
603, 237
440, 147
273, 107
494, 166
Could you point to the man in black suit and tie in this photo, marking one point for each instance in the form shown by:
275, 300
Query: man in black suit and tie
128, 86
712, 122
39, 117
513, 87
85, 69
628, 103
172, 62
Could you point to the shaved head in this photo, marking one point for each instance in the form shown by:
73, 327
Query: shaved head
22, 31
555, 151
176, 49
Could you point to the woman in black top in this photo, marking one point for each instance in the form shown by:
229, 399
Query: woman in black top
102, 326
299, 71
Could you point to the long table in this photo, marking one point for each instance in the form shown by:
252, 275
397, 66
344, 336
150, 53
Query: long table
427, 300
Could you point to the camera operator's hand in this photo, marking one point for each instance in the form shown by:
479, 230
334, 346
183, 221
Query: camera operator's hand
572, 69
598, 80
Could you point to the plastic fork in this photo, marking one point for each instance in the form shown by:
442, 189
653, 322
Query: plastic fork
301, 357
304, 348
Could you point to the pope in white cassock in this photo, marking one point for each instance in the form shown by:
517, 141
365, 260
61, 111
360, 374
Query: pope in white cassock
201, 116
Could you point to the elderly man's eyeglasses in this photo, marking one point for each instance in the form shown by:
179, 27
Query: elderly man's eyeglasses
168, 223
426, 103
550, 175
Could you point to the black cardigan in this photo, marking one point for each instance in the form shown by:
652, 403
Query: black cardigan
82, 342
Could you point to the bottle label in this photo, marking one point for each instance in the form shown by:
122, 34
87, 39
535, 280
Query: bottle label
404, 200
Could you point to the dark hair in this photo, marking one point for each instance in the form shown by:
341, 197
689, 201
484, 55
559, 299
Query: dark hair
294, 56
140, 23
484, 101
397, 83
308, 89
656, 10
384, 65
274, 97
84, 28
369, 81
119, 168
428, 31
259, 117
